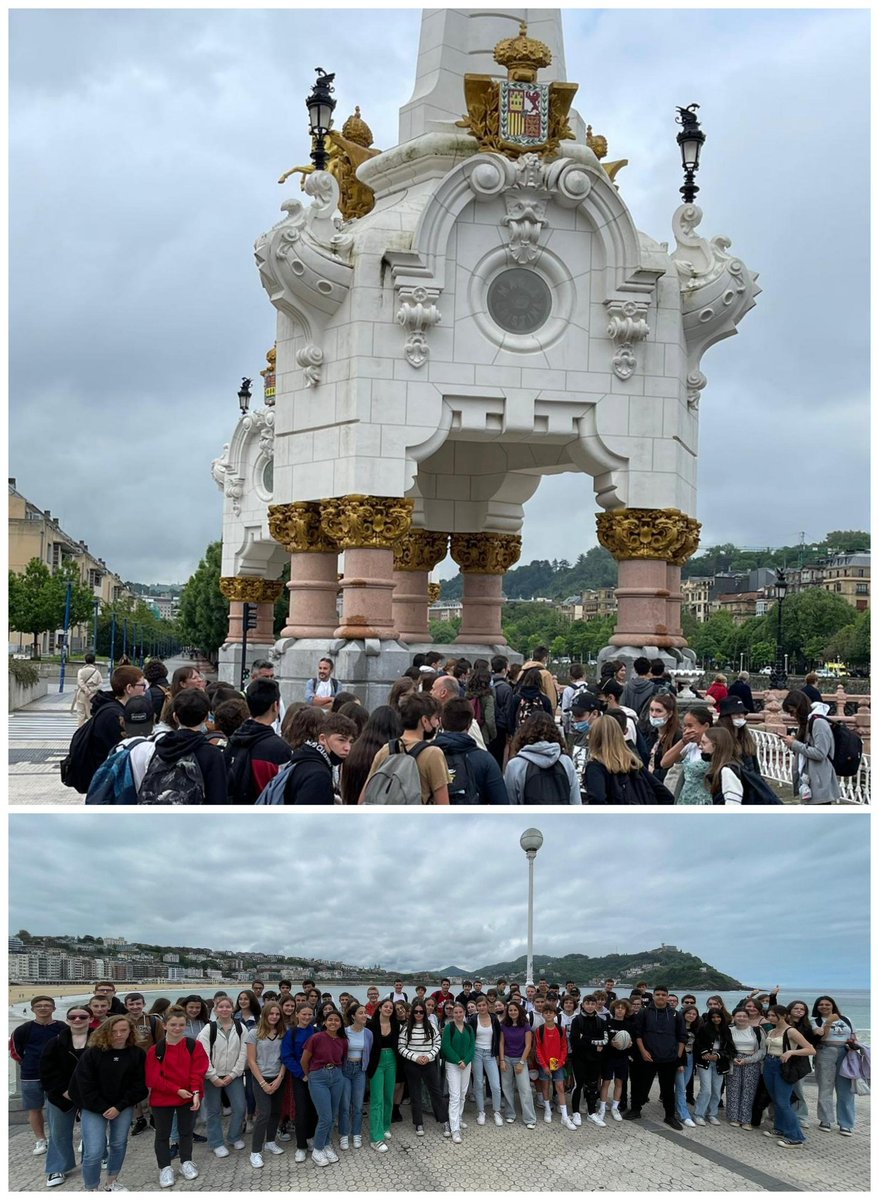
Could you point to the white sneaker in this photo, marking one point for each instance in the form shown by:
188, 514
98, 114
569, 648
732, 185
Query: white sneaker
531, 1126
273, 1148
115, 1186
330, 1155
700, 1120
40, 1146
689, 1123
319, 1158
221, 1151
577, 1119
166, 1177
343, 1142
256, 1160
498, 1119
480, 1118
568, 1123
547, 1115
447, 1130
239, 1145
380, 1147
511, 1120
55, 1179
300, 1156
189, 1170
358, 1141
387, 1135
282, 1137
456, 1137
616, 1114
596, 1120
713, 1121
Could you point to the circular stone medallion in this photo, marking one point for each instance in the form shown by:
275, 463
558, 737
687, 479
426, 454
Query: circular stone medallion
519, 300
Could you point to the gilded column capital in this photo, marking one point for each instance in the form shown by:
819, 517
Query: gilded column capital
251, 589
485, 553
366, 522
433, 592
297, 527
420, 550
658, 533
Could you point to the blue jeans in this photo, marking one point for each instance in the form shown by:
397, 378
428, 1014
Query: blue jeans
213, 1106
827, 1062
325, 1087
97, 1133
681, 1080
708, 1100
484, 1064
353, 1091
60, 1156
785, 1118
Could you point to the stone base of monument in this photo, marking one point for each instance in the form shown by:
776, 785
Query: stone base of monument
674, 657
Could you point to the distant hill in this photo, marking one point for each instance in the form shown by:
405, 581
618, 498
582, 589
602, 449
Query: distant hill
666, 964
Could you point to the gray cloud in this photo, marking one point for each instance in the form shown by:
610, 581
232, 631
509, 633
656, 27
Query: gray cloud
144, 146
428, 890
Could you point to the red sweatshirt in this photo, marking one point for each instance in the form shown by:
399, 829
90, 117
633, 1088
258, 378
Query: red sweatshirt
179, 1069
549, 1043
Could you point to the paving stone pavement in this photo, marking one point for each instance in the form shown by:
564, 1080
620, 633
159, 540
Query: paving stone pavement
629, 1156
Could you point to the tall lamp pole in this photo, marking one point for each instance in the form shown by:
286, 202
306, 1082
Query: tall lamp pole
778, 679
97, 604
530, 841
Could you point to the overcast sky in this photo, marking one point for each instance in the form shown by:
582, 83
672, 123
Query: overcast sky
764, 899
145, 146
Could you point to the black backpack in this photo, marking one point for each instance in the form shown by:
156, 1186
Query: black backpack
239, 782
78, 766
179, 782
160, 1048
212, 1036
528, 708
546, 785
848, 749
755, 789
462, 789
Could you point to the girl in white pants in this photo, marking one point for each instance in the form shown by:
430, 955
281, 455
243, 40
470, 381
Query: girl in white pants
457, 1050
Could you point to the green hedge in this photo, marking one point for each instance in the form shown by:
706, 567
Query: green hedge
23, 672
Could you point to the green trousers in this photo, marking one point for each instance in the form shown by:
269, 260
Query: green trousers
381, 1095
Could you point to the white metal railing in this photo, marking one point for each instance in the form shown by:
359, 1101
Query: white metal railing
776, 763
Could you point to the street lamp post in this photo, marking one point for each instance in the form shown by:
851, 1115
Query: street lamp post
778, 678
97, 605
530, 841
244, 395
320, 105
690, 140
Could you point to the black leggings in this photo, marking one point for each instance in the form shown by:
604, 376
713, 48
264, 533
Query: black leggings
586, 1079
429, 1076
306, 1113
163, 1118
268, 1115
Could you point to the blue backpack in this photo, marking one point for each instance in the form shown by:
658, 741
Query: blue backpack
113, 782
273, 792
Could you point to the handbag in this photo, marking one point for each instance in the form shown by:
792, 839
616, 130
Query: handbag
795, 1068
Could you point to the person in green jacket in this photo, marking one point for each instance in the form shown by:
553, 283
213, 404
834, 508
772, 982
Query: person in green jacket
457, 1050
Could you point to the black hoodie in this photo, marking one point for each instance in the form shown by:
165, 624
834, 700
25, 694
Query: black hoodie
57, 1064
254, 754
310, 779
107, 728
484, 772
171, 747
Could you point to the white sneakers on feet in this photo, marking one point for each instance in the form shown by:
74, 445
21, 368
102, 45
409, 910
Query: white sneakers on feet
239, 1145
379, 1146
568, 1123
300, 1156
577, 1119
273, 1148
597, 1120
480, 1118
358, 1141
616, 1114
189, 1170
41, 1146
55, 1179
700, 1120
547, 1115
713, 1121
343, 1142
330, 1154
166, 1177
221, 1151
319, 1158
498, 1119
256, 1161
689, 1122
456, 1137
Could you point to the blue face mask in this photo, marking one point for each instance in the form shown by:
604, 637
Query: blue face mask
580, 726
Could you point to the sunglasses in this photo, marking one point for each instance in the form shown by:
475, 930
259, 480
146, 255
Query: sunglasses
79, 1017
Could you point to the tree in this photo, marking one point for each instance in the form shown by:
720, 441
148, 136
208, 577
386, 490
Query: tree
713, 642
444, 632
204, 610
37, 599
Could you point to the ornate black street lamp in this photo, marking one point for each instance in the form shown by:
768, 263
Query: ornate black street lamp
320, 105
244, 396
778, 678
690, 140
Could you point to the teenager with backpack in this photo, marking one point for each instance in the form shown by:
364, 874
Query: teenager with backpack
539, 770
504, 704
309, 777
148, 1030
184, 767
255, 753
531, 700
734, 719
222, 1039
475, 777
812, 746
614, 773
106, 1083
175, 1072
94, 740
551, 1052
391, 779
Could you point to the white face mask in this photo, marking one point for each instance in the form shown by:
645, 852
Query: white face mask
739, 722
658, 722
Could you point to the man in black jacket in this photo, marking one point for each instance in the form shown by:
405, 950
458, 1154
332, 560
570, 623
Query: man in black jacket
659, 1038
475, 775
504, 708
255, 753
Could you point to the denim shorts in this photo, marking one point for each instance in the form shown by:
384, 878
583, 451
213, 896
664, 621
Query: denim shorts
557, 1075
32, 1094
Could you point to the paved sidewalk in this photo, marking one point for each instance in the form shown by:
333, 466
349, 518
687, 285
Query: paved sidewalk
629, 1156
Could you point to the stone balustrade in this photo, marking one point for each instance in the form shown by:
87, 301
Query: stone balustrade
839, 701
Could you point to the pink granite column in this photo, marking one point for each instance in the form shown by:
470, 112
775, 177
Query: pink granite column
484, 559
674, 604
641, 604
314, 569
251, 589
415, 556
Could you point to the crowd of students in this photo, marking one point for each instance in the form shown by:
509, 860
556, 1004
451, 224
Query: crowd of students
284, 1065
452, 733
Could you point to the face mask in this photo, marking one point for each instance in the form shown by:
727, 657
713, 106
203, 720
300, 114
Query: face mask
739, 722
429, 734
706, 757
658, 722
581, 726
